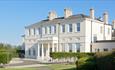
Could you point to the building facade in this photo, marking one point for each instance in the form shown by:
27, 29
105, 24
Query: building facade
71, 33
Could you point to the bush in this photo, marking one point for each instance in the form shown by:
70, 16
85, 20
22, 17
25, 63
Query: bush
5, 57
105, 60
59, 55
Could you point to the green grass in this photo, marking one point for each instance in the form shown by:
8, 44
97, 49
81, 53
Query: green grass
62, 66
52, 66
17, 69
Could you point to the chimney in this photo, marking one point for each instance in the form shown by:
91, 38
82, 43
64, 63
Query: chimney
105, 17
113, 24
92, 13
52, 15
67, 12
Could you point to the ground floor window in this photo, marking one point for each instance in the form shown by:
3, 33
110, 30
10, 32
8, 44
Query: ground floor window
40, 50
29, 52
34, 52
70, 47
105, 49
77, 47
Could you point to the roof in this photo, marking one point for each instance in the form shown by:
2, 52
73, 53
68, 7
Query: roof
59, 20
101, 41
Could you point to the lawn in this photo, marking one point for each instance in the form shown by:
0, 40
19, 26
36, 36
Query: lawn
51, 66
17, 69
62, 66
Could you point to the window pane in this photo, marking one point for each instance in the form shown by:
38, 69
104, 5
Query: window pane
78, 26
63, 28
49, 29
70, 27
45, 30
34, 31
77, 47
54, 29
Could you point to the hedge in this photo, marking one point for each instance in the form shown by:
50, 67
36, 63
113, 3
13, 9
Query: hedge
5, 57
58, 55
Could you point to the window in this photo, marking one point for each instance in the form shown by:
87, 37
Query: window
63, 28
29, 52
101, 29
98, 50
95, 38
108, 30
45, 30
34, 31
70, 27
29, 31
39, 31
50, 30
70, 47
78, 27
54, 29
105, 49
34, 52
77, 47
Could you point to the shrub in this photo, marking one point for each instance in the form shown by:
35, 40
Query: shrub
58, 55
5, 57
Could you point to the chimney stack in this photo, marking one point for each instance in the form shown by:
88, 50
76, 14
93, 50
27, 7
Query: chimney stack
52, 15
92, 13
105, 17
113, 24
67, 13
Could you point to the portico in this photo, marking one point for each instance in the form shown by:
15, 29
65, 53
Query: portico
45, 46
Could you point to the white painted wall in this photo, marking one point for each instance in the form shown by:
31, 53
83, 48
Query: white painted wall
102, 45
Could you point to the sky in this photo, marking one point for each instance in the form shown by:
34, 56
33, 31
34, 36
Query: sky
16, 14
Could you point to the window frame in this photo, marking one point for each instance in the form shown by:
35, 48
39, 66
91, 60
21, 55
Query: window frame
78, 27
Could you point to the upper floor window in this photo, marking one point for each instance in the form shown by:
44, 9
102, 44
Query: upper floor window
101, 29
78, 27
108, 30
50, 30
70, 27
54, 29
34, 31
29, 32
45, 30
39, 30
63, 28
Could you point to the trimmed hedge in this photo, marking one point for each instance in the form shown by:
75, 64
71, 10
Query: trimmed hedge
5, 57
58, 55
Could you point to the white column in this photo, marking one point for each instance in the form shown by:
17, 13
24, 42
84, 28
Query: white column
42, 51
38, 51
53, 47
48, 50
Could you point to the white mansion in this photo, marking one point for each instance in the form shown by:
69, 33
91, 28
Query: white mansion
71, 33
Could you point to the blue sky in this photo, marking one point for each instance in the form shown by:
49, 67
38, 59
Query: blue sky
15, 15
